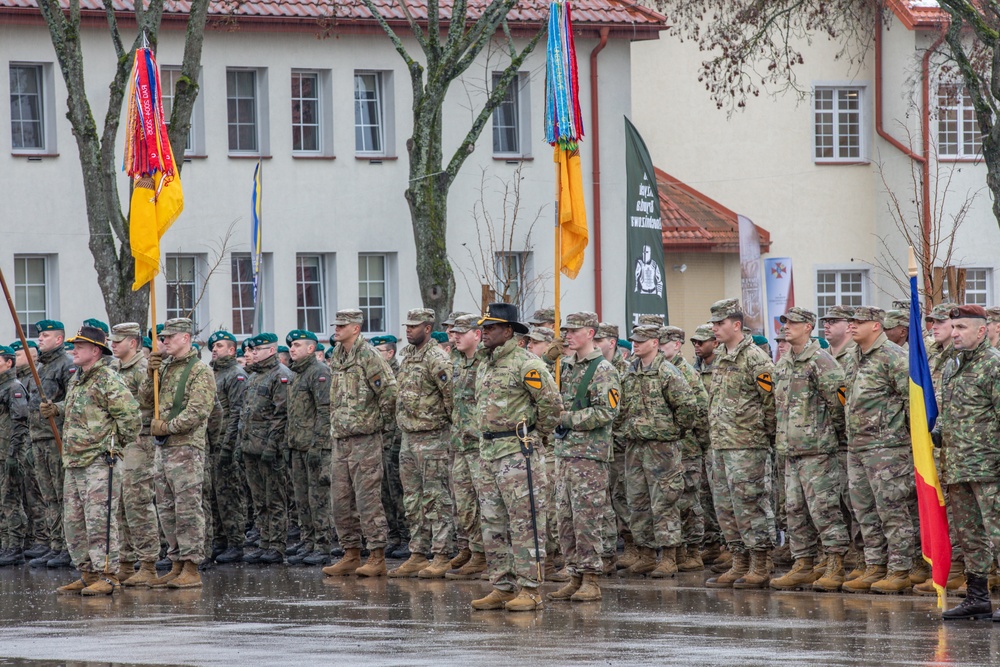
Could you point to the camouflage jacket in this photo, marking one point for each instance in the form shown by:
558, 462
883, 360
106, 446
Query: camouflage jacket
809, 395
512, 386
588, 434
938, 357
99, 412
619, 362
878, 397
363, 391
133, 373
658, 405
464, 421
696, 440
230, 386
705, 373
188, 427
969, 422
424, 389
14, 437
55, 370
309, 405
847, 358
35, 419
264, 417
741, 401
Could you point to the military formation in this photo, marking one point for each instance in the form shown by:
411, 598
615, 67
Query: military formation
524, 454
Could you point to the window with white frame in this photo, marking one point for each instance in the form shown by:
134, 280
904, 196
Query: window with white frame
306, 112
977, 287
182, 286
169, 76
27, 107
242, 287
838, 124
369, 118
241, 98
839, 288
510, 118
958, 128
510, 274
31, 291
310, 293
373, 292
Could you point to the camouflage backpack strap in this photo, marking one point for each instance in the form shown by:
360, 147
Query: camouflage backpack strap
178, 404
581, 400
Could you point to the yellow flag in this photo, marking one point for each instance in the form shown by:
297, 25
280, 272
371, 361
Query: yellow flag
572, 212
154, 207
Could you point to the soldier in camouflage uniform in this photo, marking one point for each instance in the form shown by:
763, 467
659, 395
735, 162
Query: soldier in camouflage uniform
616, 522
967, 430
741, 422
897, 327
993, 326
809, 395
423, 413
55, 370
100, 416
14, 439
941, 350
693, 447
362, 408
392, 488
34, 507
704, 343
263, 442
880, 458
140, 536
187, 398
516, 398
591, 392
311, 449
658, 408
228, 474
546, 319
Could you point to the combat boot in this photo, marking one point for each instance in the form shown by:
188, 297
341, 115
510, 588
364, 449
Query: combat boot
819, 567
12, 557
35, 551
782, 555
864, 583
437, 568
896, 581
645, 564
497, 599
550, 566
609, 565
589, 591
710, 552
347, 565
175, 571
668, 564
461, 559
411, 567
920, 572
272, 557
189, 577
74, 588
104, 585
759, 574
740, 566
689, 560
976, 605
956, 580
833, 578
252, 556
564, 593
723, 563
799, 577
375, 566
475, 567
630, 555
317, 557
142, 577
126, 569
230, 555
559, 577
43, 559
61, 559
857, 572
527, 599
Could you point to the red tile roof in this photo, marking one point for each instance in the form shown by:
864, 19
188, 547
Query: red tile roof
919, 13
692, 221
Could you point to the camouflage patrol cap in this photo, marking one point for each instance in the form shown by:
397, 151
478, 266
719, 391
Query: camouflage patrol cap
643, 332
703, 333
97, 324
896, 318
651, 319
450, 320
542, 334
419, 316
50, 325
940, 312
724, 309
221, 335
781, 335
797, 314
300, 334
993, 313
581, 320
607, 330
969, 310
542, 316
868, 314
16, 345
348, 316
838, 313
439, 336
465, 323
120, 332
7, 352
178, 325
670, 333
265, 338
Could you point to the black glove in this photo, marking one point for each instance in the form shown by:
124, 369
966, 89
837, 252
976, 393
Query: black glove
225, 458
268, 456
12, 465
314, 458
936, 438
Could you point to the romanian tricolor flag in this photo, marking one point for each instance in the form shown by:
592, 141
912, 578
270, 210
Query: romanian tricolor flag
935, 541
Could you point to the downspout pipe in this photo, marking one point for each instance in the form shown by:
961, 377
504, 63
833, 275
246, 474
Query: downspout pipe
595, 133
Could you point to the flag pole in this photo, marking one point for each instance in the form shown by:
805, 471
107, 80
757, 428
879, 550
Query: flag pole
558, 265
31, 362
156, 348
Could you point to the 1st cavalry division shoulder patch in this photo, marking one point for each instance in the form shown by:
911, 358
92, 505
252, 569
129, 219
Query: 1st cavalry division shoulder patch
533, 379
765, 382
613, 397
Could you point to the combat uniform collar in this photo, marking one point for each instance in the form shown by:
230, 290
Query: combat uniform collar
732, 354
658, 359
177, 360
811, 349
502, 351
303, 363
570, 359
268, 364
342, 355
223, 362
8, 375
131, 362
83, 375
414, 353
879, 342
51, 355
23, 371
964, 356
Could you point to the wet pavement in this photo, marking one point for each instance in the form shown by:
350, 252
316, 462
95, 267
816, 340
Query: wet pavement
255, 615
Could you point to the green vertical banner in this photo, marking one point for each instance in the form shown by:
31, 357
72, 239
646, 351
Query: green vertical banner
645, 292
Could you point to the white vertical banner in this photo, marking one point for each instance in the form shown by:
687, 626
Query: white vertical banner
753, 295
780, 292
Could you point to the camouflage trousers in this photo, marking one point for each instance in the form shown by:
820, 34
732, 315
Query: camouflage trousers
975, 516
853, 528
692, 514
229, 486
34, 508
884, 499
957, 554
619, 498
269, 493
509, 539
85, 516
392, 493
464, 473
581, 501
424, 471
778, 498
654, 480
207, 500
713, 534
140, 537
812, 493
357, 491
49, 473
545, 503
742, 493
311, 484
180, 475
13, 520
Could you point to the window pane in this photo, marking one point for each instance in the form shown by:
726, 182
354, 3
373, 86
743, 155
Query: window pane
368, 112
242, 110
26, 107
372, 291
506, 125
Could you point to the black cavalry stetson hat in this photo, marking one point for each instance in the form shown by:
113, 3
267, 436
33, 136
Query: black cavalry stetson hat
94, 336
503, 313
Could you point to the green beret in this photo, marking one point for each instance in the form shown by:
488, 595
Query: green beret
320, 347
282, 348
627, 344
374, 340
16, 345
299, 334
97, 324
265, 339
239, 353
50, 325
759, 340
196, 347
329, 353
439, 336
221, 335
147, 342
68, 346
823, 343
6, 351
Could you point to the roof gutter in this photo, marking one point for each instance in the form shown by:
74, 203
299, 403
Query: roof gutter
595, 131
